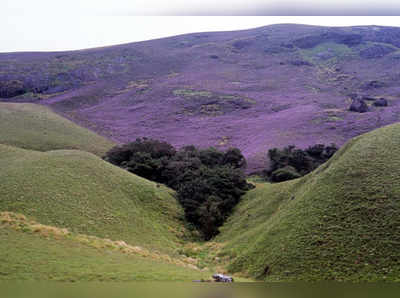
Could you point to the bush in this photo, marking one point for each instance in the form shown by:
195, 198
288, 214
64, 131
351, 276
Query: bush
234, 158
209, 182
144, 157
13, 88
290, 162
285, 173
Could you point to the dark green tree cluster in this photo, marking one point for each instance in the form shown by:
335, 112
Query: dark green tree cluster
11, 88
144, 157
291, 162
208, 182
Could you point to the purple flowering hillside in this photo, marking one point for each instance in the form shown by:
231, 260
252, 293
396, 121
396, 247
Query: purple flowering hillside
253, 89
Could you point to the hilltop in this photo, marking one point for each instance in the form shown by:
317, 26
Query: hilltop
37, 128
339, 222
252, 89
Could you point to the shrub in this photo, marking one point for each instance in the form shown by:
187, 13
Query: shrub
143, 157
234, 158
12, 88
290, 162
285, 173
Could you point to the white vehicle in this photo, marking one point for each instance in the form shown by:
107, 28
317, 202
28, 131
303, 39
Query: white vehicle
222, 278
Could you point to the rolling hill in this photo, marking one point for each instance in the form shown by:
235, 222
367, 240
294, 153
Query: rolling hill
252, 89
67, 215
79, 191
340, 222
36, 127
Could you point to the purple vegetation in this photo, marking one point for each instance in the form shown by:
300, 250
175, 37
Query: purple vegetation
252, 89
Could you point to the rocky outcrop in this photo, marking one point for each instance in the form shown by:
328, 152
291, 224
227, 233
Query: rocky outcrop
369, 98
381, 102
358, 105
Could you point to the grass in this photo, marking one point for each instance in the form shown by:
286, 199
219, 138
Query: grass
85, 219
192, 93
36, 127
189, 93
336, 50
25, 255
67, 215
79, 191
94, 221
143, 264
340, 222
212, 104
19, 222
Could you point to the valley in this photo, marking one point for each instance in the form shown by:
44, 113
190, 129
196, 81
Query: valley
66, 214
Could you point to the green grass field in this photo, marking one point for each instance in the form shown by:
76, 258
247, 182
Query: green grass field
80, 191
36, 127
341, 222
28, 256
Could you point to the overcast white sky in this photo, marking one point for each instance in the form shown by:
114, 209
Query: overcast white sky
53, 25
203, 7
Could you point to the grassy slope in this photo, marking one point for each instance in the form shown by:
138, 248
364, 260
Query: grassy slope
79, 191
341, 222
27, 256
36, 127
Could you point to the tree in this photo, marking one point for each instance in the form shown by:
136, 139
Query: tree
208, 196
234, 158
144, 157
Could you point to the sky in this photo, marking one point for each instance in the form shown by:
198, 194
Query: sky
200, 7
55, 25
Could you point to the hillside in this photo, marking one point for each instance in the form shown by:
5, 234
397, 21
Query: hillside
340, 222
36, 127
79, 191
252, 89
31, 251
67, 215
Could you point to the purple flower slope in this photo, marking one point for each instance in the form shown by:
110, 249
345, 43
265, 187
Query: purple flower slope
253, 89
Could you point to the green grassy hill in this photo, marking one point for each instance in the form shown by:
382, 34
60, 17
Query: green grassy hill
85, 218
31, 251
341, 222
78, 190
36, 127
